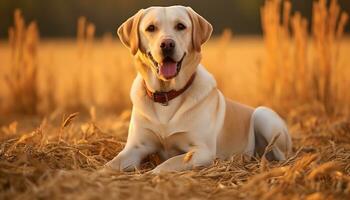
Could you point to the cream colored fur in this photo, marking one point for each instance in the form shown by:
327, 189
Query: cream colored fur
200, 120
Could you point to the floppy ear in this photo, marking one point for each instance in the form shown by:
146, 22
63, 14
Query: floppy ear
201, 29
128, 32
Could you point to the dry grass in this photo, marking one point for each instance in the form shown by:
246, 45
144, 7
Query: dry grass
21, 79
62, 161
299, 71
302, 75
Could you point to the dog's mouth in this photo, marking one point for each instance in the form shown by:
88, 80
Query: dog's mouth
168, 68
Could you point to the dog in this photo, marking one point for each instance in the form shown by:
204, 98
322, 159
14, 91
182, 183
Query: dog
178, 112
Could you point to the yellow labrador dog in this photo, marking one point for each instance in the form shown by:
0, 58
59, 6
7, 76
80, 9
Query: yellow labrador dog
177, 108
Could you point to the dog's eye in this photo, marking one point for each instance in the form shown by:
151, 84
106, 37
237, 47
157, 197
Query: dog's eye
151, 28
180, 27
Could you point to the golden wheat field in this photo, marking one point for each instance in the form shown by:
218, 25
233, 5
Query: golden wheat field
65, 109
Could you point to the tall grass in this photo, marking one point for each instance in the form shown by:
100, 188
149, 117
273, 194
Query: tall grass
327, 29
300, 66
22, 75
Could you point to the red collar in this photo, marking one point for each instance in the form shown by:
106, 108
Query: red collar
165, 97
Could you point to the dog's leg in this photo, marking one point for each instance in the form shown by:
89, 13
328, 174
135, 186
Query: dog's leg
190, 160
267, 124
129, 158
140, 143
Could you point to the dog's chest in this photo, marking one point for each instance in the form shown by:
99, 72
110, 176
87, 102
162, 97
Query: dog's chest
166, 113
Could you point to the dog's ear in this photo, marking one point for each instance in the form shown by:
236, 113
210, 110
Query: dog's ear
201, 29
128, 32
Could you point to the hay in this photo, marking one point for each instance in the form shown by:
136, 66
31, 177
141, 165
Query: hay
39, 165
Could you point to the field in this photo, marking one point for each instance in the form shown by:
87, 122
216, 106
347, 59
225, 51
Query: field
65, 112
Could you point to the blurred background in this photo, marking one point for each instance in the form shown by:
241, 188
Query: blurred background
63, 55
57, 18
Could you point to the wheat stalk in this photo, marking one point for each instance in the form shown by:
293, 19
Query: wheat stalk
22, 79
297, 78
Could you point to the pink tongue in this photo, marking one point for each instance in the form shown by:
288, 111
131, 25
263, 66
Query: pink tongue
168, 69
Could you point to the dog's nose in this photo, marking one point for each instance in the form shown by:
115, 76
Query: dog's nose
167, 46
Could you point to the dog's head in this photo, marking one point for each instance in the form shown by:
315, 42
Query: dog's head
165, 38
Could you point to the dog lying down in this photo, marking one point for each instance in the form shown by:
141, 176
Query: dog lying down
177, 108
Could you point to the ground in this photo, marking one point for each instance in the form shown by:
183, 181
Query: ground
52, 158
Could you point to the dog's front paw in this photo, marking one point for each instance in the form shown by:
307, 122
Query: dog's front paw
123, 162
105, 170
161, 169
113, 164
155, 171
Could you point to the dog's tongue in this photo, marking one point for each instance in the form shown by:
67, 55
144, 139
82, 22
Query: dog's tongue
168, 69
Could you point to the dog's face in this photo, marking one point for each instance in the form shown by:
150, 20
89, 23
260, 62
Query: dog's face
165, 38
165, 35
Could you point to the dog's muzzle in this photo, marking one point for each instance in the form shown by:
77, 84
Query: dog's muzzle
168, 68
